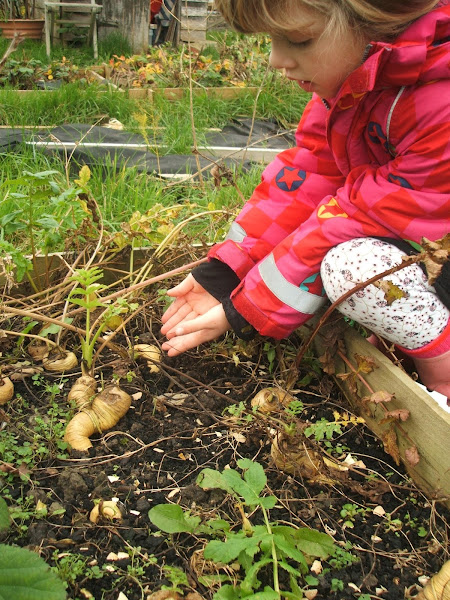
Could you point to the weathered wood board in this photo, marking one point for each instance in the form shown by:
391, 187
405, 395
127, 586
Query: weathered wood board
427, 428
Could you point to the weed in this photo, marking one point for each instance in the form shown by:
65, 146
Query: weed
337, 585
323, 430
343, 557
177, 578
391, 524
70, 566
255, 548
349, 512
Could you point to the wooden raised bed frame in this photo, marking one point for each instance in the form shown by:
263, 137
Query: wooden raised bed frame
427, 428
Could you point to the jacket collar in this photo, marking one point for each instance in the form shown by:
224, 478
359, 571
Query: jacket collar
418, 54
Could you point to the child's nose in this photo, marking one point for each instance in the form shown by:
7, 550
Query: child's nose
279, 57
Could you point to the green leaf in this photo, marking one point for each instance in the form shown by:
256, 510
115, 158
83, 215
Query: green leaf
25, 576
171, 519
240, 487
267, 594
226, 592
4, 515
227, 551
290, 551
290, 569
314, 543
268, 502
253, 474
251, 581
53, 329
212, 479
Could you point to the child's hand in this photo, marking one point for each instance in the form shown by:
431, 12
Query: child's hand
195, 317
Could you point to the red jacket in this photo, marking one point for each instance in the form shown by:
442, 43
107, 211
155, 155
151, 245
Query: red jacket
375, 161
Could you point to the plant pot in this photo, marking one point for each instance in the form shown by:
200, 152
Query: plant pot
27, 28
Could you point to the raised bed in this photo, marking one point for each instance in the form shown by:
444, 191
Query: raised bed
421, 442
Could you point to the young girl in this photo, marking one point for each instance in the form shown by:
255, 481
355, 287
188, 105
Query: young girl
369, 177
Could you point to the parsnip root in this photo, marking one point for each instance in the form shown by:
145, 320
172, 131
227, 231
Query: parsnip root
59, 364
6, 390
107, 509
271, 399
83, 391
150, 353
107, 408
438, 588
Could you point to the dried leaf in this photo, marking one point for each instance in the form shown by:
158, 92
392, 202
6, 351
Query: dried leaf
345, 376
389, 440
401, 414
365, 363
412, 456
391, 291
381, 396
436, 254
433, 269
327, 362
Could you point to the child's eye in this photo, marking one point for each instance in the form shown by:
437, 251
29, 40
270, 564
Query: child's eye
301, 44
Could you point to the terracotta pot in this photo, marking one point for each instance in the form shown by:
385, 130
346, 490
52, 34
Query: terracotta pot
28, 28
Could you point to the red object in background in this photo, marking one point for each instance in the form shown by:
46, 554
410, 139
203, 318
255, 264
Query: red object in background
155, 7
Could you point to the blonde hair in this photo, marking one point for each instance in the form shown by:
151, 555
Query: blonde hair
379, 20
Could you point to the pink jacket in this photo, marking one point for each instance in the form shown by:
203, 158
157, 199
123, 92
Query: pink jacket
373, 162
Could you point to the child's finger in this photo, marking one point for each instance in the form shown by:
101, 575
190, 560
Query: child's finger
173, 309
213, 320
180, 344
182, 288
177, 320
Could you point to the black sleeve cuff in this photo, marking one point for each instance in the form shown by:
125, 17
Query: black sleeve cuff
217, 278
220, 280
241, 327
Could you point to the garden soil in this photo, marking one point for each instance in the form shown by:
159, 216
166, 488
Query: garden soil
389, 534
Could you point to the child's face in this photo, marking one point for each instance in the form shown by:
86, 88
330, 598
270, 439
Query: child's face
317, 59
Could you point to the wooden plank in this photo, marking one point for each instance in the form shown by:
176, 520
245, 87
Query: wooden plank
130, 18
427, 428
226, 93
194, 24
193, 36
193, 12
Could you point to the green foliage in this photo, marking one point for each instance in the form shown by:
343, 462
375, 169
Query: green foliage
337, 585
26, 227
69, 567
4, 515
86, 295
255, 547
24, 575
323, 430
40, 434
349, 513
26, 73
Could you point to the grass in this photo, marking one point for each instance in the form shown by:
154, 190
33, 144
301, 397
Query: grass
166, 125
120, 193
81, 103
80, 55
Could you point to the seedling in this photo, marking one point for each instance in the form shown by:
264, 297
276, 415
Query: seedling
255, 548
349, 513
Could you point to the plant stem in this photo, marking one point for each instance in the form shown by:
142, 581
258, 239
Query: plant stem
276, 580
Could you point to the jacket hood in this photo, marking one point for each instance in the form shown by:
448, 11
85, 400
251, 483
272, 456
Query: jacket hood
420, 54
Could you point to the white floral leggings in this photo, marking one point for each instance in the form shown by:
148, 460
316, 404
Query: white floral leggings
412, 321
